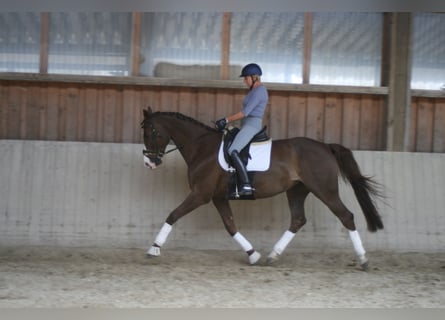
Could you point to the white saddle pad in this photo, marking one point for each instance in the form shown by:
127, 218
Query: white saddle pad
259, 152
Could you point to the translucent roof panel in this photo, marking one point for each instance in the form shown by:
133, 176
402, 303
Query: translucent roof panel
346, 49
273, 40
428, 53
19, 42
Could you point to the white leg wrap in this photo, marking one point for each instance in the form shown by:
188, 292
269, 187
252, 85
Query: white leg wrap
163, 234
238, 237
154, 251
357, 243
285, 239
254, 257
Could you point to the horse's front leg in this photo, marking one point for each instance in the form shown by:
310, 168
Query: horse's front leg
295, 196
223, 207
192, 202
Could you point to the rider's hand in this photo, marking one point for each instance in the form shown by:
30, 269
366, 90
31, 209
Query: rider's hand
221, 124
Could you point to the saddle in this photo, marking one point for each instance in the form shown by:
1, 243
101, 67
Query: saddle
230, 135
261, 149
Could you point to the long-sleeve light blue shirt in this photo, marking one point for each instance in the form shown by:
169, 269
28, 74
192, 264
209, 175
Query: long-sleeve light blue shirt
255, 102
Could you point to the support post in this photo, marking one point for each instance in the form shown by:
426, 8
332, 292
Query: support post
307, 47
225, 47
44, 42
399, 91
136, 44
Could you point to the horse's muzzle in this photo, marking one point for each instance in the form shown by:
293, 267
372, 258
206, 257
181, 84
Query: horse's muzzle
151, 161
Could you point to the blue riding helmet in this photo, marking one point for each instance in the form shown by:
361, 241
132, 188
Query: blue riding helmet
250, 70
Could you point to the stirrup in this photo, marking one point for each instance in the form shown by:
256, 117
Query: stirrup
245, 192
247, 188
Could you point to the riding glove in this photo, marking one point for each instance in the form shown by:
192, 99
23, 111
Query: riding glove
221, 124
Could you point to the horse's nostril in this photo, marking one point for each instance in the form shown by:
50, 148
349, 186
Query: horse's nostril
157, 161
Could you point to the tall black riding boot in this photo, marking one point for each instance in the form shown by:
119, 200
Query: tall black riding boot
246, 188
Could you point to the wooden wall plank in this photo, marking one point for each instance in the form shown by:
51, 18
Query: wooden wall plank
61, 113
368, 128
81, 115
333, 118
278, 116
138, 116
206, 106
91, 111
43, 107
118, 115
187, 103
425, 121
439, 126
14, 99
351, 122
413, 126
297, 115
129, 97
379, 104
3, 110
100, 106
71, 102
24, 100
110, 124
51, 114
169, 100
224, 105
315, 116
31, 114
150, 97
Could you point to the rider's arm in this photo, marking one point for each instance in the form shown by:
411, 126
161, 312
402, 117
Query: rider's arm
236, 116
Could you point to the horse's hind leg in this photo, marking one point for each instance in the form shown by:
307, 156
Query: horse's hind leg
296, 197
334, 203
223, 207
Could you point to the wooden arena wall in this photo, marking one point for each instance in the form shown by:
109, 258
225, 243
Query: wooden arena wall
111, 112
100, 194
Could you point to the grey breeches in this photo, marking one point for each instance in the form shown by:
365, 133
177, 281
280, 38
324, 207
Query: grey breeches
251, 126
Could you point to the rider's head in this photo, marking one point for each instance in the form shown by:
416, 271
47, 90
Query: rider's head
251, 74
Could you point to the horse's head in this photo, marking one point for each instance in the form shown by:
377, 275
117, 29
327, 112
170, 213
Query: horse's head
156, 140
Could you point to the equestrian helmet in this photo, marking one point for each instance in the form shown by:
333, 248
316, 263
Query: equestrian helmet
251, 69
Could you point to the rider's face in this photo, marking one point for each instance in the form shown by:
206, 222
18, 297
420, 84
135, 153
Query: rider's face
248, 81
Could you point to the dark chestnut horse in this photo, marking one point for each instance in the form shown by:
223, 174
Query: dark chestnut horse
298, 166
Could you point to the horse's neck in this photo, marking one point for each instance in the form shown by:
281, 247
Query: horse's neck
192, 139
182, 130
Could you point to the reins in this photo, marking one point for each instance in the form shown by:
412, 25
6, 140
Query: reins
171, 150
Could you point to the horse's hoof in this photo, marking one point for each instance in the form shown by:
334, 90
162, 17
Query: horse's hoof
272, 258
254, 257
365, 266
364, 263
154, 252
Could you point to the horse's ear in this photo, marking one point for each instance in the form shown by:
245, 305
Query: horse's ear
147, 112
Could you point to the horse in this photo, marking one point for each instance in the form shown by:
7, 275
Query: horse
298, 166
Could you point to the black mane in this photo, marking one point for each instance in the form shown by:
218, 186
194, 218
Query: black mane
180, 116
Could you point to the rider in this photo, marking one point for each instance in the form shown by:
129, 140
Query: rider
252, 112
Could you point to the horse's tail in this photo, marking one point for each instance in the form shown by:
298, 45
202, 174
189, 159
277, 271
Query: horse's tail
365, 188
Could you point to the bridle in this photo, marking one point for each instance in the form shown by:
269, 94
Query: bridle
155, 155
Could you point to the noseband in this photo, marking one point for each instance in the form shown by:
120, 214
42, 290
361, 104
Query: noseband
156, 154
